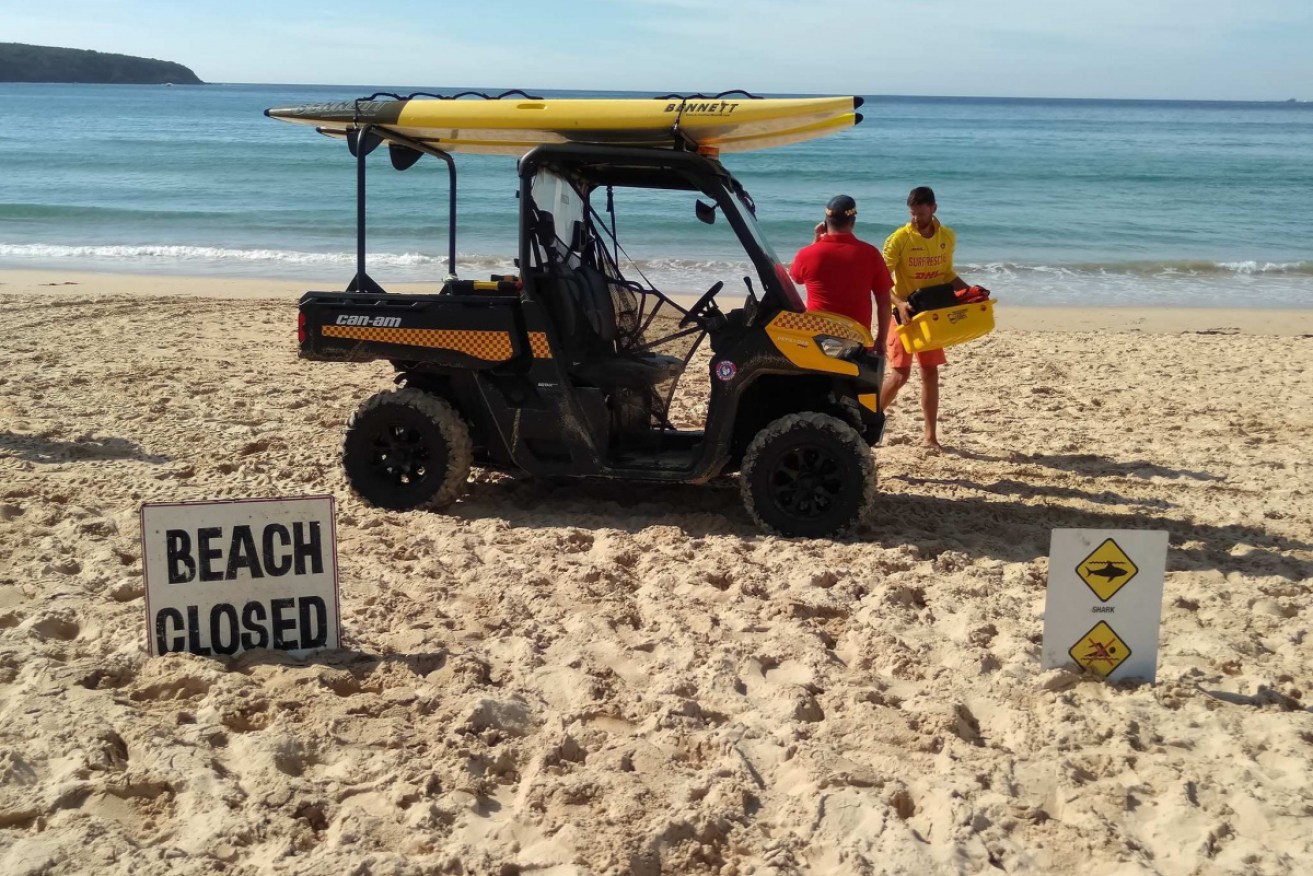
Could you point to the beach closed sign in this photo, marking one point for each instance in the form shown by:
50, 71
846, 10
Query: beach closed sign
1104, 602
230, 576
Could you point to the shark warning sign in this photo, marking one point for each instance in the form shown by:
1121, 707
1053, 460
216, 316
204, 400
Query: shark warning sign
1106, 570
1113, 579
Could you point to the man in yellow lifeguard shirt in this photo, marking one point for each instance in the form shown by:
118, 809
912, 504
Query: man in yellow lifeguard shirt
919, 254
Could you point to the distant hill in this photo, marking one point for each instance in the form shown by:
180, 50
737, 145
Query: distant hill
24, 63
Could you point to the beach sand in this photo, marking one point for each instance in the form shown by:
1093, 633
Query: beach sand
608, 678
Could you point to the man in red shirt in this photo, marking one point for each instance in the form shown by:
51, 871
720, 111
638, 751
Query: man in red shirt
841, 273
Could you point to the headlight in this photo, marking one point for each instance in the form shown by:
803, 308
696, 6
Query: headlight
837, 348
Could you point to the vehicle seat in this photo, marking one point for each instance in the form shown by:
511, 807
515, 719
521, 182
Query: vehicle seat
579, 298
599, 362
603, 364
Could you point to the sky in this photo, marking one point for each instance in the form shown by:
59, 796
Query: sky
1154, 49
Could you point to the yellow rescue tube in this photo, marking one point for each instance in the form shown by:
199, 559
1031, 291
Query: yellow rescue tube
947, 326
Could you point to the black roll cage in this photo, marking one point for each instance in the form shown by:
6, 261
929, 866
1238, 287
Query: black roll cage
599, 165
404, 152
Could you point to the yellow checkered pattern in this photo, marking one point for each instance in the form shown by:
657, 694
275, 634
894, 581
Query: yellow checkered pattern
538, 343
818, 324
488, 346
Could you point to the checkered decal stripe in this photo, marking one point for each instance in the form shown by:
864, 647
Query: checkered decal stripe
818, 325
488, 346
538, 343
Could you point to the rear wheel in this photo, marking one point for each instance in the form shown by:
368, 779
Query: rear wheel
406, 449
808, 475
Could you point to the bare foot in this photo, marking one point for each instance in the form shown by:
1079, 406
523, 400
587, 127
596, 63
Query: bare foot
932, 445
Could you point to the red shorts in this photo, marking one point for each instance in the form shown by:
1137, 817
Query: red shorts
900, 358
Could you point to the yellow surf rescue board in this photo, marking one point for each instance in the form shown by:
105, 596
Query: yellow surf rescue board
514, 126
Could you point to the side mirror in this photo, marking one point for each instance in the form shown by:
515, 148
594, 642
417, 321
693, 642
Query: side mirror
706, 212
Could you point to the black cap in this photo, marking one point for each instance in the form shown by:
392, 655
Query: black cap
841, 207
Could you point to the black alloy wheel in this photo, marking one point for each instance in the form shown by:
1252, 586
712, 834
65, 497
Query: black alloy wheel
407, 449
808, 475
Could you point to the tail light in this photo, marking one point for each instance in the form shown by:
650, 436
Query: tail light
300, 328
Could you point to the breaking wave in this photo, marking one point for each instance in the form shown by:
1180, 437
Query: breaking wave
278, 261
1179, 268
1181, 282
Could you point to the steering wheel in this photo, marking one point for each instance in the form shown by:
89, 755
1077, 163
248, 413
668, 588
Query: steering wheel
696, 310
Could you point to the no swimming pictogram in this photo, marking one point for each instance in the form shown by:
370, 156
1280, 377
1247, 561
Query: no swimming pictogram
1100, 650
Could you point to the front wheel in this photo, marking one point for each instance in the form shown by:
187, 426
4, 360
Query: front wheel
406, 449
808, 475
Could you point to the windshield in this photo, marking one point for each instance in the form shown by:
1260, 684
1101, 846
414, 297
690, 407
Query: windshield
773, 268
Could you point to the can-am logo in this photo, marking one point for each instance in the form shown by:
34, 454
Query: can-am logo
371, 321
711, 108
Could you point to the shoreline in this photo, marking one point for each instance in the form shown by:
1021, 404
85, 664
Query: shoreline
1167, 319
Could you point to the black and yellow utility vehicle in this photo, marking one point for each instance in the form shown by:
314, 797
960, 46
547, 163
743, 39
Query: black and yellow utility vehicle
568, 368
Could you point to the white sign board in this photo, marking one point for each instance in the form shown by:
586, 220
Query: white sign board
224, 577
1105, 601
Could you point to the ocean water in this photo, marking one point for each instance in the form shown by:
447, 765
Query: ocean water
1054, 201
